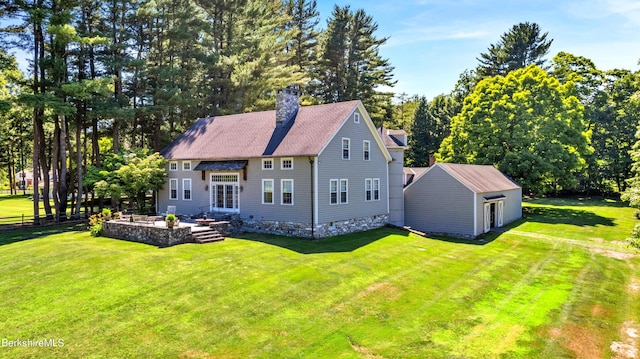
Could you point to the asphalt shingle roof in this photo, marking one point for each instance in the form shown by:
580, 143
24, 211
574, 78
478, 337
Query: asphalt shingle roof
479, 178
255, 134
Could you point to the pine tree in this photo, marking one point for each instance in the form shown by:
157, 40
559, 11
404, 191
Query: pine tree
521, 46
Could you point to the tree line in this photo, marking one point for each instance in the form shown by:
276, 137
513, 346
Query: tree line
558, 126
140, 72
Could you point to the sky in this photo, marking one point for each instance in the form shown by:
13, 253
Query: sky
432, 42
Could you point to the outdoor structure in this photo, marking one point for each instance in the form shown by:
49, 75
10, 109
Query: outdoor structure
313, 171
460, 200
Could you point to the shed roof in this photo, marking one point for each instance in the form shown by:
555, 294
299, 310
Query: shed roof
479, 178
255, 134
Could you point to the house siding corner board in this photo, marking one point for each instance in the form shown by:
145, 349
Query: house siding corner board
442, 208
332, 166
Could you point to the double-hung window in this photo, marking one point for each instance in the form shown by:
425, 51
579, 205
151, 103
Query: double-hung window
366, 150
173, 166
267, 191
333, 191
186, 165
287, 192
344, 189
346, 154
186, 189
173, 188
372, 189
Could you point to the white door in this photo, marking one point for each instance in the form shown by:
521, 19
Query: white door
487, 217
500, 213
225, 193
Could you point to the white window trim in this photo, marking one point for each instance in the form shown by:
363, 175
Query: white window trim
173, 180
272, 190
368, 183
345, 180
185, 163
282, 181
337, 182
184, 188
356, 117
366, 144
282, 163
264, 160
348, 148
171, 164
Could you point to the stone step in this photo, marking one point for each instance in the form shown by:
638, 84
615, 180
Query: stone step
207, 236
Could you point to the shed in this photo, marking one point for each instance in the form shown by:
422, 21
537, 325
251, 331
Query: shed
461, 200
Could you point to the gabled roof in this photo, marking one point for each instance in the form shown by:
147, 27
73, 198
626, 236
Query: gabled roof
255, 134
479, 178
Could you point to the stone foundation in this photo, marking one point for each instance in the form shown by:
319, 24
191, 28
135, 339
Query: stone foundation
322, 230
146, 233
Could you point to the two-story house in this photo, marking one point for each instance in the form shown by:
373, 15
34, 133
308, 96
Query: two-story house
313, 171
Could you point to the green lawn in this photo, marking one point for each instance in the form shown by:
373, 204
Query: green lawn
17, 205
560, 283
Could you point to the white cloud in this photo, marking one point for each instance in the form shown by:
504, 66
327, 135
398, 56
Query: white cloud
430, 33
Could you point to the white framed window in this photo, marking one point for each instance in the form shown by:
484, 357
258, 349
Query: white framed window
346, 145
366, 150
376, 189
344, 191
286, 163
287, 192
173, 166
173, 188
267, 191
333, 191
267, 164
356, 117
186, 165
186, 189
368, 189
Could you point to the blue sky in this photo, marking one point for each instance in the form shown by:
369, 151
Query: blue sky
432, 42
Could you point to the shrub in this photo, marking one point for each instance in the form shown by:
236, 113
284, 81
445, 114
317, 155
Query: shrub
95, 221
634, 241
170, 217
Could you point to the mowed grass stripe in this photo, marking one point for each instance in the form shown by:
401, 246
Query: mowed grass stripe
383, 293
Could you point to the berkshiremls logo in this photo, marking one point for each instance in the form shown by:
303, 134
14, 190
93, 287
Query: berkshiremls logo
42, 343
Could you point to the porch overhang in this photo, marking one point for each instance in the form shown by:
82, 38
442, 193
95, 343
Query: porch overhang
221, 166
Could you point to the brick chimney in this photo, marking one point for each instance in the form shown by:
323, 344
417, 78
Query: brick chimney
287, 104
432, 160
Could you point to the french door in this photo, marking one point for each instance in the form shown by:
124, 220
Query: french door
225, 192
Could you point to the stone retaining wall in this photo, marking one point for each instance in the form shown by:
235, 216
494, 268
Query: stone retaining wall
146, 233
323, 230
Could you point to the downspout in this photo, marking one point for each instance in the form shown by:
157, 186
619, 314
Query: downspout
312, 200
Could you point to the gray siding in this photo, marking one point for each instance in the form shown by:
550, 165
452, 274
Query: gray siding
251, 196
396, 196
512, 207
199, 197
356, 170
437, 203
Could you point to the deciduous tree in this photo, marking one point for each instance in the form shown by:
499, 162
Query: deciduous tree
527, 124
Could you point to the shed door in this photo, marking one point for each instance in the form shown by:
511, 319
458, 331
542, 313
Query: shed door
487, 217
500, 213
